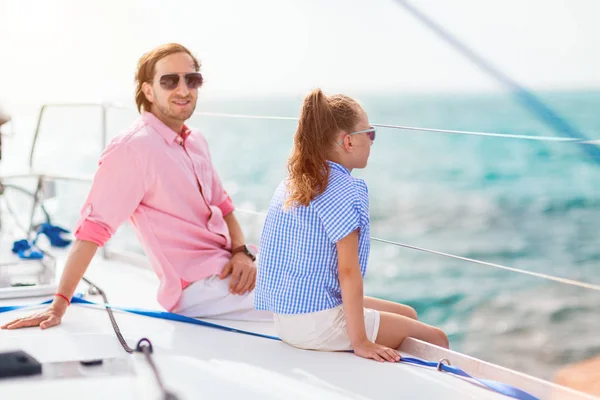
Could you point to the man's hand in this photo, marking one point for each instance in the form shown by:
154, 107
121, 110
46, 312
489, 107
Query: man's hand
243, 273
52, 316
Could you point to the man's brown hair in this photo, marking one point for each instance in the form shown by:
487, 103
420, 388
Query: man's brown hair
145, 70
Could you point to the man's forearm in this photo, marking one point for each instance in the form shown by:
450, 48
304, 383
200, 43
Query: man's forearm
235, 231
79, 259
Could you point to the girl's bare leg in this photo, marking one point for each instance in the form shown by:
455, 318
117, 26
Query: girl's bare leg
394, 328
390, 307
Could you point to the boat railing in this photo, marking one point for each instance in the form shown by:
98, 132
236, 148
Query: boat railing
45, 179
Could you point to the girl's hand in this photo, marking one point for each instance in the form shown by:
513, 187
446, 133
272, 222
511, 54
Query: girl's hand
377, 352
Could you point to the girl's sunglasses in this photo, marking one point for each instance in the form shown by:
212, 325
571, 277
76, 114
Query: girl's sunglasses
370, 133
193, 80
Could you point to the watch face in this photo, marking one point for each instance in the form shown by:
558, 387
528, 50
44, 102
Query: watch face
252, 250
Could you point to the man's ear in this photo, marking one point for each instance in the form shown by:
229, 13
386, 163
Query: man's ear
148, 92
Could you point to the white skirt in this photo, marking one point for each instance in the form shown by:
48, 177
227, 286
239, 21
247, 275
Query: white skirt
322, 330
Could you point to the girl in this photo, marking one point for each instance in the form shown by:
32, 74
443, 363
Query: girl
315, 243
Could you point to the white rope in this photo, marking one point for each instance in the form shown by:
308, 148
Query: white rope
402, 127
521, 271
488, 134
413, 128
517, 270
244, 116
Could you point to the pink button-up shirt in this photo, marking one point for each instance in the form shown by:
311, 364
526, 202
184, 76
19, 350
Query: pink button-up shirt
166, 185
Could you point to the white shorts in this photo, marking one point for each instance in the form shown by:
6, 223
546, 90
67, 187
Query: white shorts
322, 330
210, 298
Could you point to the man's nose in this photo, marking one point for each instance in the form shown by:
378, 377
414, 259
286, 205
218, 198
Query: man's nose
182, 88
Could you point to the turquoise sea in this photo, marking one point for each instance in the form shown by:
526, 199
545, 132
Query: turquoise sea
524, 204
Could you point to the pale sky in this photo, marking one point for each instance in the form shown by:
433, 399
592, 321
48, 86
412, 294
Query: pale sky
73, 50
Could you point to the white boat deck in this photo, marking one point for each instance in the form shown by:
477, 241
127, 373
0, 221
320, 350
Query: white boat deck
201, 362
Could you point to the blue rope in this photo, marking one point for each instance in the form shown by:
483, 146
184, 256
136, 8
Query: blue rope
54, 234
29, 251
533, 103
26, 250
499, 387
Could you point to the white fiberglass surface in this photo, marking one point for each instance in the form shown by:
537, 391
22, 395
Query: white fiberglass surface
200, 361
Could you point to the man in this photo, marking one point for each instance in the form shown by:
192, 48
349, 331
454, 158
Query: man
159, 175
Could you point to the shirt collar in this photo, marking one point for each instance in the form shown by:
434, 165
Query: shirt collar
338, 167
167, 133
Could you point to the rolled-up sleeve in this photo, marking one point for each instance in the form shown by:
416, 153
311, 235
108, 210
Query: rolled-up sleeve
118, 188
222, 199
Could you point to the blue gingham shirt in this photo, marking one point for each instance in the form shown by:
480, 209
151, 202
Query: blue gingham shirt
298, 262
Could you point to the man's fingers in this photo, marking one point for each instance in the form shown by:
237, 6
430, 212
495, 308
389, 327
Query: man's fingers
6, 325
21, 322
25, 322
235, 278
226, 271
50, 322
252, 281
244, 281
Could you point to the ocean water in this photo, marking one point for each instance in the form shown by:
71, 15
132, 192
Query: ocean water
525, 204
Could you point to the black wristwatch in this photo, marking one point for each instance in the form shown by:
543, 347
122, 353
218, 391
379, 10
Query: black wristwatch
247, 250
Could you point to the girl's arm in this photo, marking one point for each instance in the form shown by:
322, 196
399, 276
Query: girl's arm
351, 284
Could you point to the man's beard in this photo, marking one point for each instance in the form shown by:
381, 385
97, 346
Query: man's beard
181, 116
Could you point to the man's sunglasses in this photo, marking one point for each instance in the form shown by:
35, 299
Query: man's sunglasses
193, 80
